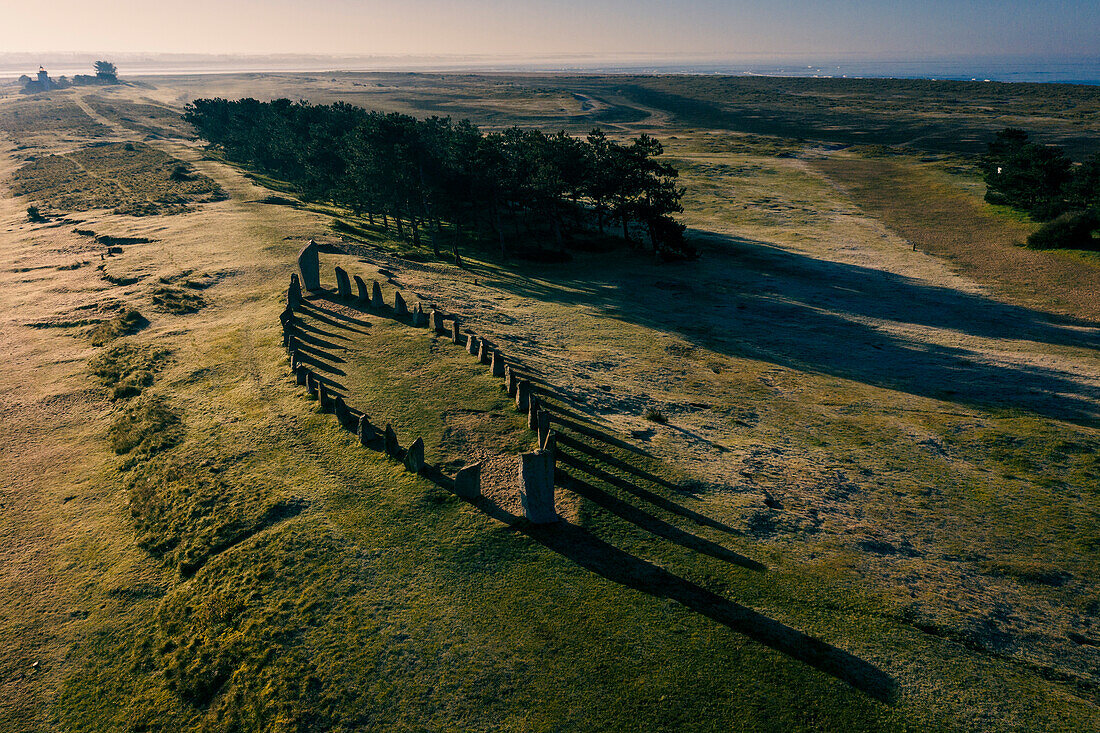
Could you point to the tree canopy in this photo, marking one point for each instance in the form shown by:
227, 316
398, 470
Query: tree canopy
435, 171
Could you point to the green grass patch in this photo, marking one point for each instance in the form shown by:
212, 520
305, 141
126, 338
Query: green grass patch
145, 427
125, 323
127, 369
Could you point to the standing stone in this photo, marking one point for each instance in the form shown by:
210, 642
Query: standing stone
343, 285
361, 293
414, 457
376, 299
533, 413
291, 344
471, 344
498, 364
536, 487
456, 334
436, 322
309, 265
468, 481
366, 432
343, 414
419, 318
543, 426
323, 397
510, 381
550, 445
301, 375
523, 395
399, 307
393, 448
294, 360
483, 352
294, 292
311, 384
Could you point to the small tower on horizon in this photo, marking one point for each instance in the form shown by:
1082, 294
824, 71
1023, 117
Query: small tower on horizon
43, 78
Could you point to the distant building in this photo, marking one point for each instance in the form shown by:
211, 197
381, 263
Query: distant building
43, 79
43, 83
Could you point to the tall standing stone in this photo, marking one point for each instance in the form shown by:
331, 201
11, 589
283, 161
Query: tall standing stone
543, 426
361, 293
376, 299
366, 432
294, 292
343, 414
309, 264
419, 319
523, 395
301, 375
311, 384
456, 332
510, 380
536, 487
471, 344
533, 413
291, 344
414, 456
483, 352
498, 364
343, 284
323, 397
550, 445
436, 322
399, 307
468, 481
393, 448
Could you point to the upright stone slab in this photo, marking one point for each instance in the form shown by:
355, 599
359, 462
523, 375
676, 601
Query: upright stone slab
550, 445
361, 293
543, 426
301, 375
456, 332
510, 381
294, 361
309, 264
343, 284
311, 384
523, 395
376, 299
533, 413
343, 414
294, 292
498, 364
419, 318
366, 432
414, 456
323, 397
471, 344
393, 448
536, 487
291, 344
483, 353
468, 481
436, 322
399, 307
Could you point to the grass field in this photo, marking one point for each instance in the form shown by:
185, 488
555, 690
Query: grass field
871, 504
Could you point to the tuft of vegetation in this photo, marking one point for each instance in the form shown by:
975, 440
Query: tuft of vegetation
1035, 573
34, 214
145, 427
655, 415
125, 323
127, 369
176, 300
1071, 230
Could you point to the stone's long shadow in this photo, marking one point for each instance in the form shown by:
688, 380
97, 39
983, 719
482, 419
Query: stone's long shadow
652, 524
655, 499
604, 457
608, 561
318, 335
318, 366
751, 300
317, 352
332, 318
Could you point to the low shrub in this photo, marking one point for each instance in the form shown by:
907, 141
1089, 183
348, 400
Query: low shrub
1071, 230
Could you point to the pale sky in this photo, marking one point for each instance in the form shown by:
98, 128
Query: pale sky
883, 28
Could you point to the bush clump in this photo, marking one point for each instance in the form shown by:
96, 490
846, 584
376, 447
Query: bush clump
123, 324
127, 369
145, 427
176, 300
1071, 230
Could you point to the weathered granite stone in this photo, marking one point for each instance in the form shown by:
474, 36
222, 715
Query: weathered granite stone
468, 481
471, 344
414, 456
343, 414
523, 395
399, 307
294, 360
393, 448
550, 445
376, 299
294, 292
456, 332
323, 397
301, 375
366, 432
498, 364
436, 322
311, 384
510, 380
483, 352
536, 487
543, 426
419, 318
291, 344
533, 413
361, 293
309, 265
343, 284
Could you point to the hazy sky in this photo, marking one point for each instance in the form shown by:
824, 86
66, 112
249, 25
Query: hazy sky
883, 28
